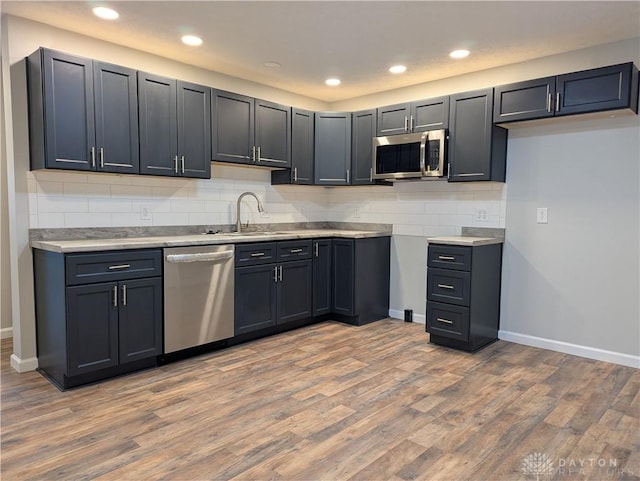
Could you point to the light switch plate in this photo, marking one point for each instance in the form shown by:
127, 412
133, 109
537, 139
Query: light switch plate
145, 212
542, 215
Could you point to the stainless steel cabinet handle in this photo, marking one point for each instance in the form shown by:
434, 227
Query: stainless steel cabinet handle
259, 154
115, 296
296, 251
253, 153
93, 157
280, 268
445, 286
406, 123
316, 247
371, 174
102, 157
119, 266
549, 100
347, 176
257, 254
175, 161
411, 124
557, 101
182, 163
295, 174
447, 258
446, 321
124, 294
275, 273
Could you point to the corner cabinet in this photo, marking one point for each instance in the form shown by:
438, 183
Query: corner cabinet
332, 148
463, 295
83, 114
477, 148
175, 127
595, 90
97, 314
250, 131
360, 284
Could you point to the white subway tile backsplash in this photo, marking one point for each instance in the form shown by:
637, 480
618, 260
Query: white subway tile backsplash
87, 220
110, 205
73, 189
54, 203
129, 220
50, 220
131, 191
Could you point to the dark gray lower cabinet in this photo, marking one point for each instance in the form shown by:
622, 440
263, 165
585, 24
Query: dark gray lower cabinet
360, 279
322, 268
463, 295
97, 314
294, 297
255, 298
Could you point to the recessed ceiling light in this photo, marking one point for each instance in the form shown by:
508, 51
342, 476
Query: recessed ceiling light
191, 40
398, 69
271, 64
459, 53
105, 13
332, 82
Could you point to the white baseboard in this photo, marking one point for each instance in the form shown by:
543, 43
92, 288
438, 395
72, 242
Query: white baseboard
397, 314
6, 332
24, 365
568, 348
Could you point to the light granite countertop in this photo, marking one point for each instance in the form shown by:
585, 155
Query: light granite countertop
462, 240
88, 245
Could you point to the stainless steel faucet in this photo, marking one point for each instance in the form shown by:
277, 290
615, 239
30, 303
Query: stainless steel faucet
260, 208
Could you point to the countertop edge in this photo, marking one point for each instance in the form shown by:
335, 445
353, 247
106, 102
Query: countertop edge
465, 240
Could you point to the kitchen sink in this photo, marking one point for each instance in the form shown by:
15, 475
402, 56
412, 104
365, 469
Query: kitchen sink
247, 234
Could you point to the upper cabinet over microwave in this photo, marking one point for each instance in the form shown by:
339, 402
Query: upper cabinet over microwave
596, 90
418, 116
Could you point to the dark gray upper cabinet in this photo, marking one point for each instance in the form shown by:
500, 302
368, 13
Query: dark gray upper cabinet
332, 148
82, 114
601, 89
477, 148
250, 131
363, 130
418, 116
302, 143
174, 127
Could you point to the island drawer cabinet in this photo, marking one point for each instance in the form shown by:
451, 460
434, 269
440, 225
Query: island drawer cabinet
463, 301
93, 322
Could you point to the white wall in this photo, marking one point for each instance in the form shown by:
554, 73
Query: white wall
576, 279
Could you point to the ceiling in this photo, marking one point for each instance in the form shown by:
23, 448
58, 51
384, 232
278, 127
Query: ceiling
356, 41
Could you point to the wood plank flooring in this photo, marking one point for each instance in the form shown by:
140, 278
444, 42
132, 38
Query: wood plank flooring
332, 402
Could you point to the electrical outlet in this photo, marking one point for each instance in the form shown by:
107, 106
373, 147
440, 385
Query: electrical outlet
482, 215
542, 215
145, 212
356, 213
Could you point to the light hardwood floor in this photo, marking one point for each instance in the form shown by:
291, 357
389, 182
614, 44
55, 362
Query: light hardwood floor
332, 402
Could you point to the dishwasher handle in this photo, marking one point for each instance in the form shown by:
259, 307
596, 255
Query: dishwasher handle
199, 257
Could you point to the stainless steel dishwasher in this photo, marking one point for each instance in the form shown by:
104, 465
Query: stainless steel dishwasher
198, 295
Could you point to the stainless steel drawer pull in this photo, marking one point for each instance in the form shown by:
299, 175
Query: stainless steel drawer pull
257, 254
445, 286
124, 294
446, 321
446, 258
296, 251
120, 266
115, 296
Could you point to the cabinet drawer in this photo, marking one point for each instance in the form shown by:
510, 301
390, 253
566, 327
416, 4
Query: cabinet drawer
448, 286
255, 254
448, 321
293, 250
449, 257
112, 266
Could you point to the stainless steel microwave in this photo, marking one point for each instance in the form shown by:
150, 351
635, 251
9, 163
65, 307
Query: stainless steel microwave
407, 156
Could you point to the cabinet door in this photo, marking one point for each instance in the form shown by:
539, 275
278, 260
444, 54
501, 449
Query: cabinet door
232, 128
294, 291
470, 136
430, 114
322, 277
343, 301
255, 297
140, 319
393, 119
606, 88
158, 125
116, 109
194, 130
333, 148
302, 147
92, 327
273, 134
528, 100
363, 130
69, 114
